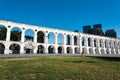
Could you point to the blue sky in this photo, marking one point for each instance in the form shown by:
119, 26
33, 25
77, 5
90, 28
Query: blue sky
63, 14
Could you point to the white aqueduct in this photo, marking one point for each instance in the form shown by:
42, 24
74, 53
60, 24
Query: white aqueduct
71, 42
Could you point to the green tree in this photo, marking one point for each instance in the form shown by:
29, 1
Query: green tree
15, 35
3, 32
40, 37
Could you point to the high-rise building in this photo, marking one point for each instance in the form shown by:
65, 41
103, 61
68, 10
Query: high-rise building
96, 30
86, 29
111, 33
97, 26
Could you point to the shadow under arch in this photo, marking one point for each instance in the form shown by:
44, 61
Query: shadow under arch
15, 48
41, 49
51, 49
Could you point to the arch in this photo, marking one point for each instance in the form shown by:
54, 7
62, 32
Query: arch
40, 37
97, 51
29, 48
69, 50
3, 32
15, 48
95, 42
83, 41
110, 44
51, 38
15, 34
117, 51
41, 49
84, 50
51, 49
106, 43
75, 40
60, 38
107, 51
89, 41
2, 48
100, 42
29, 35
119, 44
60, 50
112, 51
102, 51
90, 51
68, 40
77, 50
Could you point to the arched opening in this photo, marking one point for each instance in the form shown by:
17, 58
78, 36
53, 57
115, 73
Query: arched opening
75, 40
51, 38
77, 50
40, 37
119, 45
89, 41
90, 51
84, 50
106, 44
68, 40
2, 48
3, 32
112, 51
100, 43
107, 51
15, 48
96, 51
116, 50
95, 42
69, 50
29, 48
51, 49
60, 39
15, 34
110, 44
60, 50
29, 35
41, 49
83, 41
102, 51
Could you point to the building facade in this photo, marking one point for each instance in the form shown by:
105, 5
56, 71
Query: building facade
71, 42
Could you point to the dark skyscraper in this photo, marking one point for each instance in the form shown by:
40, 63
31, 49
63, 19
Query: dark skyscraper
86, 29
111, 33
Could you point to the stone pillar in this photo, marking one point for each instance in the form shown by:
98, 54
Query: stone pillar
80, 43
35, 37
22, 49
97, 43
73, 50
72, 40
8, 35
103, 43
23, 36
6, 51
35, 49
86, 42
65, 51
46, 43
64, 41
92, 43
56, 49
56, 40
